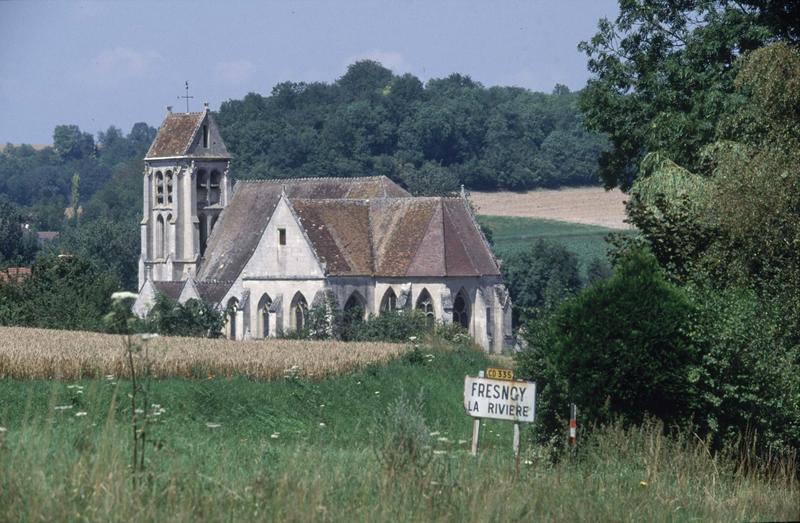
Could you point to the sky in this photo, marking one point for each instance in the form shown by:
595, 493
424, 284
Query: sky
97, 64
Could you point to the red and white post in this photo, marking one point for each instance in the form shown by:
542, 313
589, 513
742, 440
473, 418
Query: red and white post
573, 424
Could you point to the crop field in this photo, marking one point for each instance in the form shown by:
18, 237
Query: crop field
586, 205
27, 353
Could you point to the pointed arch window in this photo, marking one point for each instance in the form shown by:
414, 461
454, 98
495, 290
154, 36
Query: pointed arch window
299, 311
169, 187
202, 187
213, 187
461, 309
425, 304
389, 302
354, 309
160, 237
263, 315
159, 188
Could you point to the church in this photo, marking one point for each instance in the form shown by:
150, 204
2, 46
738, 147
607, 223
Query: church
266, 251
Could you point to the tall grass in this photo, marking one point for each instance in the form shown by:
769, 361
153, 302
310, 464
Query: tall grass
301, 450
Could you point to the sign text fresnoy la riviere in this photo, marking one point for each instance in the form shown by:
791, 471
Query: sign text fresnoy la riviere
496, 399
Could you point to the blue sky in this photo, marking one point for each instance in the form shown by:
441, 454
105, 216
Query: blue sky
97, 64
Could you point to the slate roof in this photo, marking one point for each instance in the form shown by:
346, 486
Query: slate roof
213, 291
170, 289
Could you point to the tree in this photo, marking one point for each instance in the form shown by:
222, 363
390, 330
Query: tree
621, 347
71, 144
539, 278
663, 75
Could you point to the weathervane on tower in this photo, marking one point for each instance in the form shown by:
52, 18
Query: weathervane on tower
186, 96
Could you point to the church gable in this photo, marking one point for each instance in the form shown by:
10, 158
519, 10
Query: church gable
284, 249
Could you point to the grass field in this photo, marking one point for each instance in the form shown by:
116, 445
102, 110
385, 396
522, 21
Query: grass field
59, 354
512, 234
303, 450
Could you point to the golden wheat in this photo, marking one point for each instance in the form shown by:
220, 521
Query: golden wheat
588, 205
56, 354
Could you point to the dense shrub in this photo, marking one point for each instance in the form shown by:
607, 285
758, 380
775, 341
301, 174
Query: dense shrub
622, 347
193, 318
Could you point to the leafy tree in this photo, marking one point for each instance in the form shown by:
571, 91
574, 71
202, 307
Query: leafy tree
664, 73
72, 144
193, 318
539, 278
621, 347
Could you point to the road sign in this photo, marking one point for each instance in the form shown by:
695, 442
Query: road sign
499, 399
499, 374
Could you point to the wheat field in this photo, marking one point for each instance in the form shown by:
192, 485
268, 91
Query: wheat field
587, 205
27, 353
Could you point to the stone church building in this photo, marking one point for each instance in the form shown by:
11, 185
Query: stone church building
268, 250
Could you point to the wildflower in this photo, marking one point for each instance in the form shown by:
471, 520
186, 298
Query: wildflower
462, 441
3, 429
412, 338
63, 407
80, 414
109, 377
358, 383
321, 406
275, 435
321, 424
377, 392
436, 433
124, 295
148, 336
212, 425
439, 452
528, 462
442, 439
642, 483
139, 411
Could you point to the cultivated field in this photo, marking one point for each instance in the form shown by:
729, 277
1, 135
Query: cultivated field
67, 355
587, 205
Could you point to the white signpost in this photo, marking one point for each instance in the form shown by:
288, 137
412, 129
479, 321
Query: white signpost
499, 399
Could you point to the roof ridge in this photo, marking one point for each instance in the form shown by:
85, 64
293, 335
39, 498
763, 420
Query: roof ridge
312, 179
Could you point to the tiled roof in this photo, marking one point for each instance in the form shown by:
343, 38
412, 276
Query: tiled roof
354, 229
243, 221
213, 291
170, 289
175, 135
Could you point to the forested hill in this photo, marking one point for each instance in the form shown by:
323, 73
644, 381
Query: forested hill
429, 137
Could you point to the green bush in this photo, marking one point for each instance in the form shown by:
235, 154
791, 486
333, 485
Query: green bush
402, 439
749, 379
621, 347
193, 318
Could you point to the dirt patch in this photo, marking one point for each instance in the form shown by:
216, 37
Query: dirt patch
589, 205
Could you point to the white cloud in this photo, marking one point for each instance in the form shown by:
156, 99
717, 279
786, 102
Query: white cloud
125, 61
391, 59
235, 71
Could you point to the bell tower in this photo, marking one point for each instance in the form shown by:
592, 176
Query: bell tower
186, 187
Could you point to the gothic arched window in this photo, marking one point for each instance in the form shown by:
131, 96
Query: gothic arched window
159, 188
213, 187
461, 309
202, 187
263, 314
160, 237
169, 186
425, 304
299, 311
354, 309
389, 302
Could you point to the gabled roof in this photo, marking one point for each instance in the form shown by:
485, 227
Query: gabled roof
244, 220
180, 135
170, 289
354, 230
